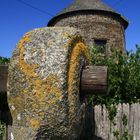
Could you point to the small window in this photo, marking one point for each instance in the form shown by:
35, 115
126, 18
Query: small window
100, 45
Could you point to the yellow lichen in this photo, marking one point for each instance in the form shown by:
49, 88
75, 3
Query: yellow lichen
41, 113
79, 50
17, 103
28, 69
34, 123
41, 88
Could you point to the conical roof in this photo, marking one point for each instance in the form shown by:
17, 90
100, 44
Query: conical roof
87, 5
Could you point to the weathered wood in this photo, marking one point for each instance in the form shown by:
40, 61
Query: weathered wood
105, 129
94, 80
3, 77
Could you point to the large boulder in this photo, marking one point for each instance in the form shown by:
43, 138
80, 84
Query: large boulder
43, 85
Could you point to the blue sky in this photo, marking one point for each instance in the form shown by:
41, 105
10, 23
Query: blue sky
17, 19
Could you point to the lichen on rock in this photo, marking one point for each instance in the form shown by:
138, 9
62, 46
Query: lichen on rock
43, 85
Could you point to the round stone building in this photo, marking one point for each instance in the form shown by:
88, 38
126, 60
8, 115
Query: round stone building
99, 24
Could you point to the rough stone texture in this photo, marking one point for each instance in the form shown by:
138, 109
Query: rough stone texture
43, 85
96, 26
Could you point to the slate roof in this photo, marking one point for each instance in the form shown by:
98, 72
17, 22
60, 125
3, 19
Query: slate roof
87, 5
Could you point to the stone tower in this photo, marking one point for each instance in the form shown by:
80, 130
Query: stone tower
100, 24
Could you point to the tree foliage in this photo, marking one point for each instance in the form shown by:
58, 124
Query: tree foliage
124, 76
4, 60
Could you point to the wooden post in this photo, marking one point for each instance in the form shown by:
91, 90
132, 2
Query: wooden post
3, 77
94, 80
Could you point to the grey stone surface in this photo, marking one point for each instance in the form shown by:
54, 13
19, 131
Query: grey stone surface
43, 85
97, 26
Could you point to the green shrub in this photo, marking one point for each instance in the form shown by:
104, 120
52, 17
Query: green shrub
124, 77
123, 83
2, 130
4, 60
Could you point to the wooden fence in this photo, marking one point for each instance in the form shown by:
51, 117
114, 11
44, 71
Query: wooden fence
104, 129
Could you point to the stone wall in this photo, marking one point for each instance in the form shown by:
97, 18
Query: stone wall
97, 26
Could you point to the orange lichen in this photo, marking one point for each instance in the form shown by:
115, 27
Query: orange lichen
46, 88
41, 88
34, 123
28, 69
46, 91
41, 113
79, 50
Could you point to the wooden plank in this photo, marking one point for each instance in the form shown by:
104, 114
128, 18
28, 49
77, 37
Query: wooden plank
138, 120
98, 115
104, 129
3, 78
125, 109
106, 126
131, 119
135, 122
